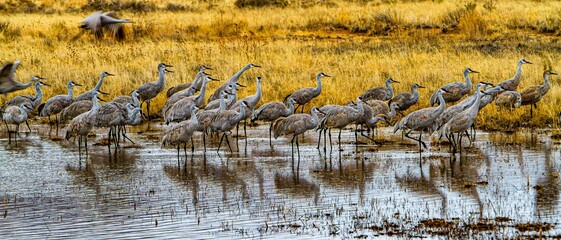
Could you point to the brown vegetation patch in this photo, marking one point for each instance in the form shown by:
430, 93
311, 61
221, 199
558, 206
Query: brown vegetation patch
536, 227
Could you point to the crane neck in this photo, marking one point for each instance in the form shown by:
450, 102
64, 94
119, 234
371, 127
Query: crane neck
162, 78
196, 81
234, 79
257, 96
314, 115
194, 119
135, 101
442, 103
392, 112
98, 85
318, 88
241, 113
95, 103
38, 92
390, 88
415, 92
517, 77
199, 99
290, 109
222, 102
468, 79
70, 91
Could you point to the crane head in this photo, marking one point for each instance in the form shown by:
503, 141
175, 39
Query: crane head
391, 80
203, 67
522, 61
72, 83
415, 85
322, 74
469, 70
548, 72
104, 74
251, 65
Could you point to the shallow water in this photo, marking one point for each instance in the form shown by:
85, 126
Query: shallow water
138, 191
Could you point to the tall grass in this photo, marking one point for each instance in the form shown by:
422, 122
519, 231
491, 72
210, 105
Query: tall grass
359, 43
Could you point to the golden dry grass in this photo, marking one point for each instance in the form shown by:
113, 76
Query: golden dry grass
358, 43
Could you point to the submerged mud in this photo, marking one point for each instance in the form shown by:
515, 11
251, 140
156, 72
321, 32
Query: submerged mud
503, 185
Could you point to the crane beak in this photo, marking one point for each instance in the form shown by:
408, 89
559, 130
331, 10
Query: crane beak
101, 99
208, 68
213, 79
394, 81
473, 71
552, 73
77, 84
104, 93
42, 83
241, 85
110, 74
257, 66
167, 70
325, 75
167, 65
419, 86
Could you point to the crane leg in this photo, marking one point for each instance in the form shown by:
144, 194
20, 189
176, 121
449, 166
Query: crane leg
244, 135
339, 140
27, 124
86, 144
178, 164
56, 121
148, 109
79, 147
185, 150
325, 141
298, 150
50, 126
192, 146
270, 132
204, 142
330, 142
220, 143
460, 136
292, 149
319, 138
228, 142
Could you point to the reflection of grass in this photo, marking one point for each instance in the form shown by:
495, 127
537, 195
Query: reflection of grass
359, 43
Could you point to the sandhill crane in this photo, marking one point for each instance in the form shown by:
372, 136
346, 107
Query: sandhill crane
226, 120
456, 89
421, 120
77, 108
251, 101
151, 89
88, 95
405, 100
187, 92
111, 115
182, 132
533, 94
230, 98
339, 117
294, 125
34, 101
456, 109
512, 83
191, 86
462, 121
180, 110
509, 99
132, 99
82, 124
99, 21
16, 115
304, 95
272, 111
380, 93
55, 105
207, 115
232, 80
8, 82
381, 107
215, 104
